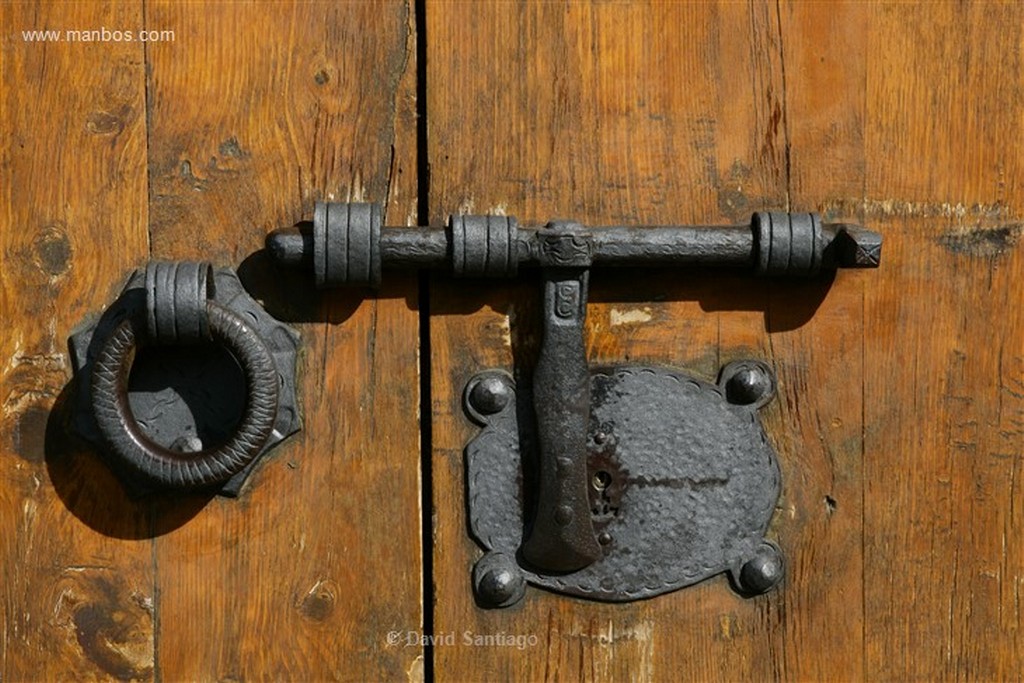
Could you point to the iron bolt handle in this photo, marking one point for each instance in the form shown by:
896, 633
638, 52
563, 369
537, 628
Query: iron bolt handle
346, 245
562, 537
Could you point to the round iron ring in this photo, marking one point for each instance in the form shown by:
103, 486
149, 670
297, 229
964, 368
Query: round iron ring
161, 466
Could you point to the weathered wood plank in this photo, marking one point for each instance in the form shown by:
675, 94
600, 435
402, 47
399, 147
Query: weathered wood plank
262, 586
76, 566
659, 112
819, 353
255, 113
944, 357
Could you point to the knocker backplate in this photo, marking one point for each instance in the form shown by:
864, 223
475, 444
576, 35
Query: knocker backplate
682, 481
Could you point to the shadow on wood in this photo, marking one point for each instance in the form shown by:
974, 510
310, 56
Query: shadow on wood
290, 294
91, 492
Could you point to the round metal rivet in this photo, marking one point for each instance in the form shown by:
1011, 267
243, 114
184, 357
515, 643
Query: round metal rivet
563, 515
490, 395
497, 585
764, 571
749, 385
498, 582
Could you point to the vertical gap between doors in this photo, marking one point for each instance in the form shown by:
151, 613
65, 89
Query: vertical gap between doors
426, 412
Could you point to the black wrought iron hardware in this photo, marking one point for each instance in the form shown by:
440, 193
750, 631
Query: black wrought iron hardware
606, 483
346, 245
207, 336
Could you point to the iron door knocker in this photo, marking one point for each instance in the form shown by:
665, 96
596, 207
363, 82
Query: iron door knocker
152, 438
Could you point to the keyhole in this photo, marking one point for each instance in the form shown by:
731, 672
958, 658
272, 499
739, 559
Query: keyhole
602, 480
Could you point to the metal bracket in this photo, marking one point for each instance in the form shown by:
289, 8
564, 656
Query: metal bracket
613, 483
185, 381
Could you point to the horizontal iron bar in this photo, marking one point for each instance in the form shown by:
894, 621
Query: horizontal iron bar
347, 245
616, 245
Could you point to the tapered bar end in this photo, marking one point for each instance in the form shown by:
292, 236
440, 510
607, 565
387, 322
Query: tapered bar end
853, 246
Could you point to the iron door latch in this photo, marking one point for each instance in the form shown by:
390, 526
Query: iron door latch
216, 396
608, 483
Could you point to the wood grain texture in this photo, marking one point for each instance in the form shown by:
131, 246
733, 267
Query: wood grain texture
820, 360
302, 578
77, 598
254, 112
944, 437
898, 420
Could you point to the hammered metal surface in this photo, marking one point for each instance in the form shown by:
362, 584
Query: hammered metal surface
682, 484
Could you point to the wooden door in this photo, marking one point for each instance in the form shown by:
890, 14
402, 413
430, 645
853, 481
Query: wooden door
193, 147
900, 412
901, 391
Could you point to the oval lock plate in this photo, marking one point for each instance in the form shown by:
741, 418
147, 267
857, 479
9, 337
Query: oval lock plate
682, 481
